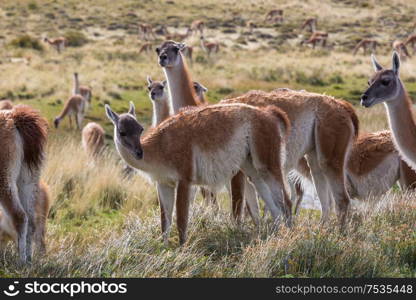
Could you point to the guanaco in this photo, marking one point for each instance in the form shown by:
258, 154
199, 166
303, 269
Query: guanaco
59, 43
374, 166
74, 106
83, 90
160, 100
274, 16
181, 95
401, 49
366, 44
146, 31
23, 133
200, 91
209, 47
323, 129
197, 25
176, 155
42, 205
385, 86
146, 48
412, 41
310, 23
93, 139
315, 38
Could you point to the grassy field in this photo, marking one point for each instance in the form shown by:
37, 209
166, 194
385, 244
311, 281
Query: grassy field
103, 225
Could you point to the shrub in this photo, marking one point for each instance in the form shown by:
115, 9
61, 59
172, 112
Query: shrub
28, 42
75, 39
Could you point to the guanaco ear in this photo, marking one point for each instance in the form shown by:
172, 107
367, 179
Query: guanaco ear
132, 110
396, 63
157, 50
111, 114
149, 80
377, 67
204, 89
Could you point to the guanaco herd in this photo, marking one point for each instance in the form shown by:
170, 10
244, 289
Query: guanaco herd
263, 145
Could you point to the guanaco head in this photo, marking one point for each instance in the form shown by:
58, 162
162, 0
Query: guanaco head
127, 130
384, 85
169, 54
156, 89
200, 90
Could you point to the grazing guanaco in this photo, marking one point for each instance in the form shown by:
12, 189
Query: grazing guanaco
74, 106
146, 48
146, 31
59, 43
93, 139
197, 25
385, 86
412, 41
23, 133
6, 104
315, 38
274, 16
209, 47
83, 90
310, 23
374, 166
323, 129
401, 49
366, 44
42, 205
176, 155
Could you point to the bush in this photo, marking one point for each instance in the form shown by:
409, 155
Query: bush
28, 42
75, 39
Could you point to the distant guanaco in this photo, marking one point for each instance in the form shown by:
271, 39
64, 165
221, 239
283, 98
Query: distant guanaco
83, 90
412, 41
197, 25
315, 38
209, 47
401, 49
366, 44
310, 23
146, 47
59, 43
274, 16
146, 31
75, 105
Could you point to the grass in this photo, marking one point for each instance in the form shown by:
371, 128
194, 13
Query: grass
102, 224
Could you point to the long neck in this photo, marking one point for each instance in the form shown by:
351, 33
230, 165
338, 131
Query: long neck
160, 111
151, 161
181, 92
403, 125
76, 85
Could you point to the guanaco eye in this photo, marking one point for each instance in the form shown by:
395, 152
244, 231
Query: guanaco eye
122, 133
385, 81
